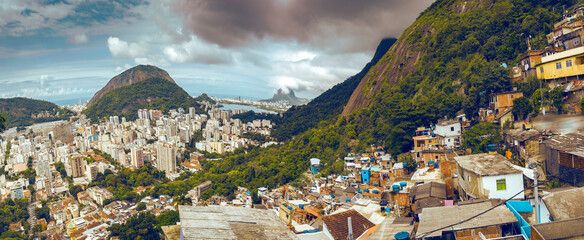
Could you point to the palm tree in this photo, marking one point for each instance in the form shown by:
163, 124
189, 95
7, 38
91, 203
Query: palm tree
181, 200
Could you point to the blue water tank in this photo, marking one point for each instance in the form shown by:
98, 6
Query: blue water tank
290, 207
492, 147
395, 188
301, 206
402, 235
430, 163
403, 184
366, 190
348, 200
375, 184
375, 191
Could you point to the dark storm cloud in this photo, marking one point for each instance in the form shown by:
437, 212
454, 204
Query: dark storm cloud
337, 25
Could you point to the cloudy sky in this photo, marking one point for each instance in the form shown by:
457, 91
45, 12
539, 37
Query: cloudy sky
66, 50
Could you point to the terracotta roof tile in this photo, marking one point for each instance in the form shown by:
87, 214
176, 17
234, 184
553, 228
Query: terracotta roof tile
338, 227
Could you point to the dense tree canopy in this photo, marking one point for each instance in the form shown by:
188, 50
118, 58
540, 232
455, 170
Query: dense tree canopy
479, 136
521, 108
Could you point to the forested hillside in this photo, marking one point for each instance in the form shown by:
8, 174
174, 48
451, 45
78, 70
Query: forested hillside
153, 93
26, 111
328, 105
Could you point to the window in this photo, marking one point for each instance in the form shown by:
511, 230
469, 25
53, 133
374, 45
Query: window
541, 69
501, 184
576, 42
568, 63
452, 129
559, 65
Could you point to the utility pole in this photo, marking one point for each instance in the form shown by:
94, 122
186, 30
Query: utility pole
350, 228
536, 208
541, 92
397, 208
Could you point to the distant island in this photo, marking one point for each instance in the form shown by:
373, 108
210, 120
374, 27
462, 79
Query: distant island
286, 96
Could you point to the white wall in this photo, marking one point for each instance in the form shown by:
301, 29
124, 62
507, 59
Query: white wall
544, 213
446, 131
514, 185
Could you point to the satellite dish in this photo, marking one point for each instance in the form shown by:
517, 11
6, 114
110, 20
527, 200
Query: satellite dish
526, 66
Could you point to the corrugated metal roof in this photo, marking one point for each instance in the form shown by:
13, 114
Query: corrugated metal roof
217, 222
438, 217
485, 164
565, 204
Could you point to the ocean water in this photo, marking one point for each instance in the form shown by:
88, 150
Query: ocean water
227, 106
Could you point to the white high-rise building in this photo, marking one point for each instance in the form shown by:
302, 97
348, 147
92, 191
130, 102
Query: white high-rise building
143, 114
166, 158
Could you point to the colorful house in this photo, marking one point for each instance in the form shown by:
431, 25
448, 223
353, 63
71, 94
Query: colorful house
488, 176
563, 66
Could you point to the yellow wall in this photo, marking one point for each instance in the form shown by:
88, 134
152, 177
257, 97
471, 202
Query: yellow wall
424, 143
549, 64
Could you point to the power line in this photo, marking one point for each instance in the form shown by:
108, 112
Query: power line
468, 219
501, 203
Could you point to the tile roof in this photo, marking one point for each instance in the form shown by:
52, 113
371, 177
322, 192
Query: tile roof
338, 227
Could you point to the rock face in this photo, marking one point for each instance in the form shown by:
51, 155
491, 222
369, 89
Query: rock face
131, 76
398, 62
289, 97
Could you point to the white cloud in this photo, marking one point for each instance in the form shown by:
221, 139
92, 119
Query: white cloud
43, 79
287, 83
152, 60
120, 69
122, 49
78, 39
196, 50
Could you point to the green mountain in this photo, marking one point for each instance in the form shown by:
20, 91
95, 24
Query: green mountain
448, 60
129, 77
26, 111
153, 93
204, 97
326, 106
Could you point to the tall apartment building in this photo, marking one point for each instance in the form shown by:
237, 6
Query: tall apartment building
77, 166
137, 157
166, 158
